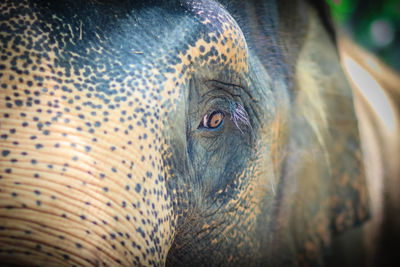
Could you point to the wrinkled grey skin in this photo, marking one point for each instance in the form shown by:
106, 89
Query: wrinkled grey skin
174, 132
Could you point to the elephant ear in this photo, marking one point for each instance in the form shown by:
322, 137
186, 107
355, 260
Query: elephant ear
325, 172
348, 186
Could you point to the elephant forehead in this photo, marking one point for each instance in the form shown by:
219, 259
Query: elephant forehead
223, 43
127, 72
206, 41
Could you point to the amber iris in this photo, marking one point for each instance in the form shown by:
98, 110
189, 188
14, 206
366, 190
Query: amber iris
213, 120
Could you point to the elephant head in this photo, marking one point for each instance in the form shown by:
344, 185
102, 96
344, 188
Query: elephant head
174, 132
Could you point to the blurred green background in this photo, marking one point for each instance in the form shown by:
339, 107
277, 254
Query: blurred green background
375, 25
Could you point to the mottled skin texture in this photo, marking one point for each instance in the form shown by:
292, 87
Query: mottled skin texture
104, 163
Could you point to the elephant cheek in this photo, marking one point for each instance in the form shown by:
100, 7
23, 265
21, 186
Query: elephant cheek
92, 210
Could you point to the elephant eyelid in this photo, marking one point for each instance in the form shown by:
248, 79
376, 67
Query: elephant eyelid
239, 115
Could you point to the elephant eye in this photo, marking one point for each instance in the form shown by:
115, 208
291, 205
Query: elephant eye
213, 120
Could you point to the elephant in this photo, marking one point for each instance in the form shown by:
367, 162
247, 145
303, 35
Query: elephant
176, 132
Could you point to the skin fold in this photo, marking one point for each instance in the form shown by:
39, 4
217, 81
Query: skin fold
179, 133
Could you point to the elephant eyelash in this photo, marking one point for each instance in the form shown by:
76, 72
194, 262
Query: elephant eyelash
239, 115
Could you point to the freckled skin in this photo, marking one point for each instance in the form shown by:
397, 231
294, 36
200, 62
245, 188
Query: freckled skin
105, 159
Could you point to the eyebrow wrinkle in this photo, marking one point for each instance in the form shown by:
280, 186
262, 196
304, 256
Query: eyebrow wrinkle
234, 86
220, 86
